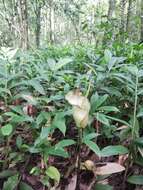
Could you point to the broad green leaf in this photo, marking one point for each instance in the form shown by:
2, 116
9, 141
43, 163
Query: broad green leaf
17, 109
90, 136
111, 62
133, 69
93, 146
119, 120
51, 64
99, 186
11, 183
58, 152
93, 102
140, 113
59, 122
62, 62
53, 173
107, 55
37, 86
135, 179
140, 73
25, 186
96, 101
139, 141
43, 116
102, 118
15, 118
139, 160
7, 130
7, 173
108, 109
113, 150
45, 132
64, 143
101, 100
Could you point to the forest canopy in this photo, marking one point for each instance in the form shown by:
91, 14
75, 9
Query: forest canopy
35, 23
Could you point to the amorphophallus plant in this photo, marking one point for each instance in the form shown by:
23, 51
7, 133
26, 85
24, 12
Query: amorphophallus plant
81, 107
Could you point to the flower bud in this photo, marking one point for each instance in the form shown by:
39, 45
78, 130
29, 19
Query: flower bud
81, 107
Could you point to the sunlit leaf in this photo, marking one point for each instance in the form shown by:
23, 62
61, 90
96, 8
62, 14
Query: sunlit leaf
53, 173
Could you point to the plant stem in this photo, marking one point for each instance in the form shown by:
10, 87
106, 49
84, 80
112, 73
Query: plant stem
88, 90
135, 110
78, 157
132, 148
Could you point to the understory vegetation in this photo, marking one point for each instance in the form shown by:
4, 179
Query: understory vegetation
39, 136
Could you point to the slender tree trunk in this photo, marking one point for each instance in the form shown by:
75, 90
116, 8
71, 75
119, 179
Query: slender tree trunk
112, 4
123, 16
141, 31
129, 16
51, 24
38, 23
23, 23
111, 9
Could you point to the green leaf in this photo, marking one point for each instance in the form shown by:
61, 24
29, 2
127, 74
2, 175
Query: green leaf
96, 101
53, 173
7, 173
90, 136
139, 161
101, 100
64, 143
140, 113
113, 150
108, 109
58, 152
111, 62
139, 141
7, 130
37, 86
44, 132
93, 146
116, 119
102, 118
24, 186
43, 116
133, 69
107, 55
59, 122
135, 179
11, 183
99, 186
62, 62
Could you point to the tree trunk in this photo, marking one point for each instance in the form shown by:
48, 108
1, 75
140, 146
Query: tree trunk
111, 9
123, 16
129, 16
23, 23
51, 24
112, 4
141, 35
38, 23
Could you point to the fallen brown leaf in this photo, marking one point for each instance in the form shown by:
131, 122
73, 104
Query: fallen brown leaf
109, 168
